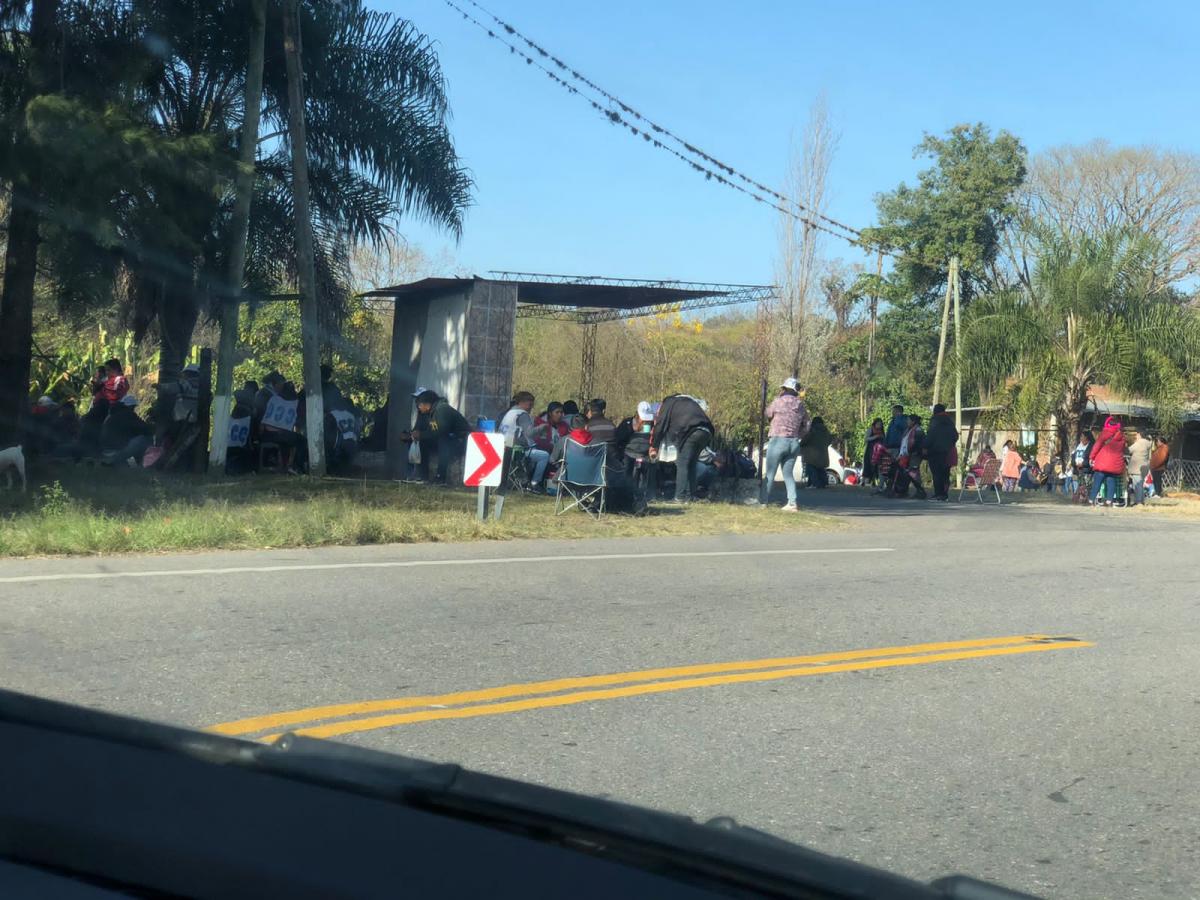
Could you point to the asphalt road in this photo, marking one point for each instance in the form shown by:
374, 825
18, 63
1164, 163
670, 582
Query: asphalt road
1063, 768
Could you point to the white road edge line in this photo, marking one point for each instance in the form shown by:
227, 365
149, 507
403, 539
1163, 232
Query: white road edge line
421, 563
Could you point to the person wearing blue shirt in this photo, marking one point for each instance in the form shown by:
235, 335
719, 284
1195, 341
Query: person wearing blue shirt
896, 429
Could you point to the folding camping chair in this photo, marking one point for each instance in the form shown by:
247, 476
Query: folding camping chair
582, 478
516, 469
983, 482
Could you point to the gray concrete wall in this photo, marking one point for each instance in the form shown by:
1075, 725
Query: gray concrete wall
443, 364
491, 324
408, 333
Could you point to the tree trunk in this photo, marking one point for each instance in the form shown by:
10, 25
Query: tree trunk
24, 235
178, 311
314, 406
241, 227
16, 314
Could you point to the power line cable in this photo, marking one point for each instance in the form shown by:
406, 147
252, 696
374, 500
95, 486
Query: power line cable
711, 168
657, 128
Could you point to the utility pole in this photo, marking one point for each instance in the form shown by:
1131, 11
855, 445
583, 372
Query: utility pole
937, 372
862, 402
314, 406
244, 191
957, 366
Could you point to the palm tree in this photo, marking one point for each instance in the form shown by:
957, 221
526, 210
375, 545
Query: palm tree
1092, 316
378, 145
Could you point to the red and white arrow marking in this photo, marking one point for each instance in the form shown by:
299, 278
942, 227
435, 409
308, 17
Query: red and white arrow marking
485, 454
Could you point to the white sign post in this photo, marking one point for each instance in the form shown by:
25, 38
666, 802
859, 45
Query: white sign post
483, 467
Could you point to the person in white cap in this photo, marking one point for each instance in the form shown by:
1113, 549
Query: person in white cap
633, 436
789, 424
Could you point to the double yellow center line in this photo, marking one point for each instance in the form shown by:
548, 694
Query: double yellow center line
349, 718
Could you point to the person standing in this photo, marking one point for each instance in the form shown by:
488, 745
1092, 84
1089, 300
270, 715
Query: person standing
1139, 465
814, 450
789, 424
1010, 466
1158, 464
682, 423
1107, 459
908, 463
896, 430
941, 440
871, 450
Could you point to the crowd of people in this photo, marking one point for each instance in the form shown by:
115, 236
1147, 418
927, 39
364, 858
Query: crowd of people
1106, 469
893, 456
113, 432
662, 450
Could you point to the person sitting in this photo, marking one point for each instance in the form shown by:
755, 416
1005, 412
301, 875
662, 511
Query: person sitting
270, 387
116, 385
578, 433
986, 455
632, 437
331, 394
599, 425
89, 426
278, 421
443, 435
38, 428
1030, 476
65, 427
238, 456
570, 410
556, 427
125, 436
341, 435
519, 432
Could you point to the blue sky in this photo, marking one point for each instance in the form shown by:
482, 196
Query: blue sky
558, 189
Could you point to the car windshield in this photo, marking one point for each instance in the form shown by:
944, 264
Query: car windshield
761, 410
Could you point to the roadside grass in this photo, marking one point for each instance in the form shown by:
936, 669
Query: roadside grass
100, 511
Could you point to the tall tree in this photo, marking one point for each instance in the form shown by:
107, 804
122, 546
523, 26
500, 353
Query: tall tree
379, 149
313, 401
1091, 317
959, 207
798, 264
24, 219
239, 230
1094, 188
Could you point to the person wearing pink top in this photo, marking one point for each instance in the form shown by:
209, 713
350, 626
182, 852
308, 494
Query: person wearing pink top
1010, 466
789, 423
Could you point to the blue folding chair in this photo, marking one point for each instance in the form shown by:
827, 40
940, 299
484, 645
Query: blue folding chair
583, 479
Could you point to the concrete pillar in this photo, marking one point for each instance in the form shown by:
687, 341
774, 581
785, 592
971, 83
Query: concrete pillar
491, 327
408, 331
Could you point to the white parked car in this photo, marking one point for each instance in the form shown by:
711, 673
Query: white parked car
836, 470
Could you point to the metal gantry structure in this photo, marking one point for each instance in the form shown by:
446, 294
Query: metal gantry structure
692, 296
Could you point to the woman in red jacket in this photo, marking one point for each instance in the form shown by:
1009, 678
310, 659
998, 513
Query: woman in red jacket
1108, 460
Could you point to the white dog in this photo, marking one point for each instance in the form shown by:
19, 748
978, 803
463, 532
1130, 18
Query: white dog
13, 458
